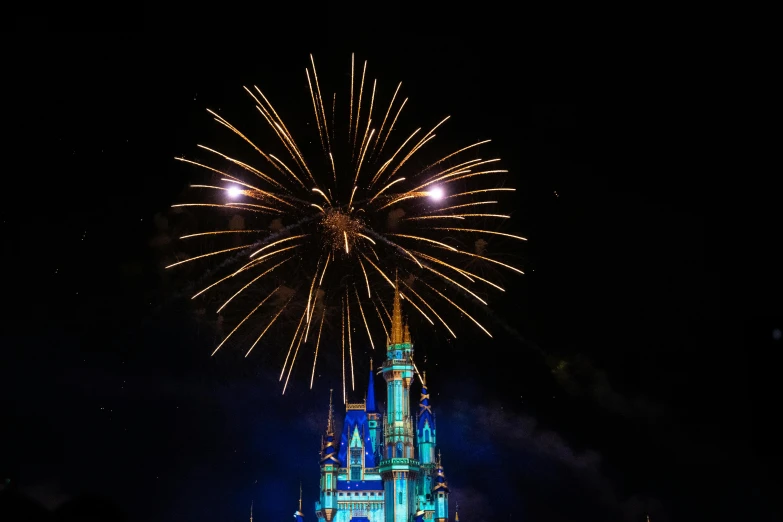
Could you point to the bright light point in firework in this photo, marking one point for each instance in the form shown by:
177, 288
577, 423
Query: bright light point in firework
436, 193
234, 192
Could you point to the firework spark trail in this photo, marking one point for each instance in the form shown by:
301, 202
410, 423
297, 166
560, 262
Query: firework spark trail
310, 294
463, 149
427, 240
383, 123
350, 118
212, 205
451, 175
257, 260
391, 128
359, 301
334, 104
286, 169
267, 326
350, 347
460, 270
474, 204
290, 348
421, 143
282, 130
366, 279
450, 280
458, 308
244, 166
236, 131
320, 281
481, 232
384, 189
291, 368
245, 319
480, 191
343, 328
430, 308
358, 110
232, 260
221, 232
209, 254
495, 261
270, 245
388, 162
416, 307
317, 344
255, 191
315, 107
321, 103
251, 282
383, 323
386, 311
361, 159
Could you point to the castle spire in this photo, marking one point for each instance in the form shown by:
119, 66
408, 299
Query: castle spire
396, 330
330, 421
456, 513
440, 477
251, 511
298, 515
328, 451
370, 401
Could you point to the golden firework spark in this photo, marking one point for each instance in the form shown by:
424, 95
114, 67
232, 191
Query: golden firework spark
351, 206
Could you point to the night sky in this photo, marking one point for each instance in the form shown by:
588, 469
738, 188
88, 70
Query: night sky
633, 368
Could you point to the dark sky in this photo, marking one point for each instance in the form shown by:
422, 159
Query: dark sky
636, 374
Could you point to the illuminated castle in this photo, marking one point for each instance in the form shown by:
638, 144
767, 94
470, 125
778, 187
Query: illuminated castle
383, 467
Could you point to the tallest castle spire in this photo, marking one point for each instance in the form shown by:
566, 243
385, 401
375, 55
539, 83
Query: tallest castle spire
397, 332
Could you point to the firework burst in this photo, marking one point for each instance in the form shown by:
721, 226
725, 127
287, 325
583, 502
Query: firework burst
348, 220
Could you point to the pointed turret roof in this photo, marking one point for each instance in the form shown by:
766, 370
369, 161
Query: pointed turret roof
397, 335
329, 451
370, 401
440, 478
298, 515
425, 409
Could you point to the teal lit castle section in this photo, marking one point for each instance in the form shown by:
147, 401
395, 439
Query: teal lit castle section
383, 465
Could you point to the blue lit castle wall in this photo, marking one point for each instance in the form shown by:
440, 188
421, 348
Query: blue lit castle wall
384, 467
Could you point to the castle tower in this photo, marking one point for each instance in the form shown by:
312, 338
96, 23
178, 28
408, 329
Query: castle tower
425, 426
398, 466
369, 470
425, 439
327, 506
440, 493
373, 422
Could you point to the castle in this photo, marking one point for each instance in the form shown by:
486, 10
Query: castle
384, 467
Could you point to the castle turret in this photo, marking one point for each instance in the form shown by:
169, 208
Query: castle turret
425, 426
326, 507
398, 467
373, 422
440, 493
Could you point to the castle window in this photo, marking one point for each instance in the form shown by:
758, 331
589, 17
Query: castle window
399, 497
